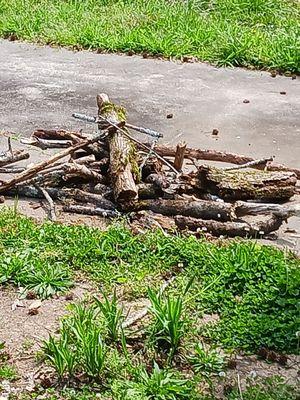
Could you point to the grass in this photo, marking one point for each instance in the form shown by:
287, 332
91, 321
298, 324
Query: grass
254, 289
259, 33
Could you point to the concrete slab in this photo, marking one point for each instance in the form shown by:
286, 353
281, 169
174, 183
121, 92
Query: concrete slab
42, 86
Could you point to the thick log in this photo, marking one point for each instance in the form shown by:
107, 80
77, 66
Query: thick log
91, 211
244, 185
284, 211
213, 155
9, 157
191, 208
30, 172
86, 197
231, 229
179, 156
123, 163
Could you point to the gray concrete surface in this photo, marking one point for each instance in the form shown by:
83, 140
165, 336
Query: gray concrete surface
42, 86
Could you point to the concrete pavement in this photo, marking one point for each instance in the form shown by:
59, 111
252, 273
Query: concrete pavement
42, 86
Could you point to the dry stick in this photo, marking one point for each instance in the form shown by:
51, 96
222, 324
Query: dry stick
11, 170
40, 166
140, 144
52, 214
255, 163
91, 211
214, 155
145, 311
8, 158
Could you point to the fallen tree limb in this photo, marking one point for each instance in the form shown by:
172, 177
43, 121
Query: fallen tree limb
284, 211
9, 157
261, 162
52, 214
11, 170
90, 211
231, 229
214, 155
192, 208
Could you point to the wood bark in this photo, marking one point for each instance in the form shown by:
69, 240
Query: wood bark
217, 228
214, 155
242, 208
179, 156
10, 157
122, 155
192, 208
244, 185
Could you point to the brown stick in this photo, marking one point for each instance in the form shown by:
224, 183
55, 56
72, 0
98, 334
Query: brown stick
213, 155
179, 156
12, 157
217, 228
23, 176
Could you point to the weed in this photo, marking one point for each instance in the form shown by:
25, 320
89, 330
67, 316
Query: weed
253, 288
160, 384
60, 355
93, 353
112, 314
273, 388
207, 361
167, 329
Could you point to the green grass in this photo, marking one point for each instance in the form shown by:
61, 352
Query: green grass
259, 33
253, 288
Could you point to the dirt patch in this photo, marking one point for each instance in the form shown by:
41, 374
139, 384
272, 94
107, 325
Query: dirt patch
23, 333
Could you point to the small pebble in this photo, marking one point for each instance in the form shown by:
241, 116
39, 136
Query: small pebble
169, 116
246, 101
215, 132
282, 92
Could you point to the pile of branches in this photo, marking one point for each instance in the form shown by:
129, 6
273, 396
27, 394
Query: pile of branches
110, 173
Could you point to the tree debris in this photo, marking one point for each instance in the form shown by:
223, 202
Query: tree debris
112, 173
